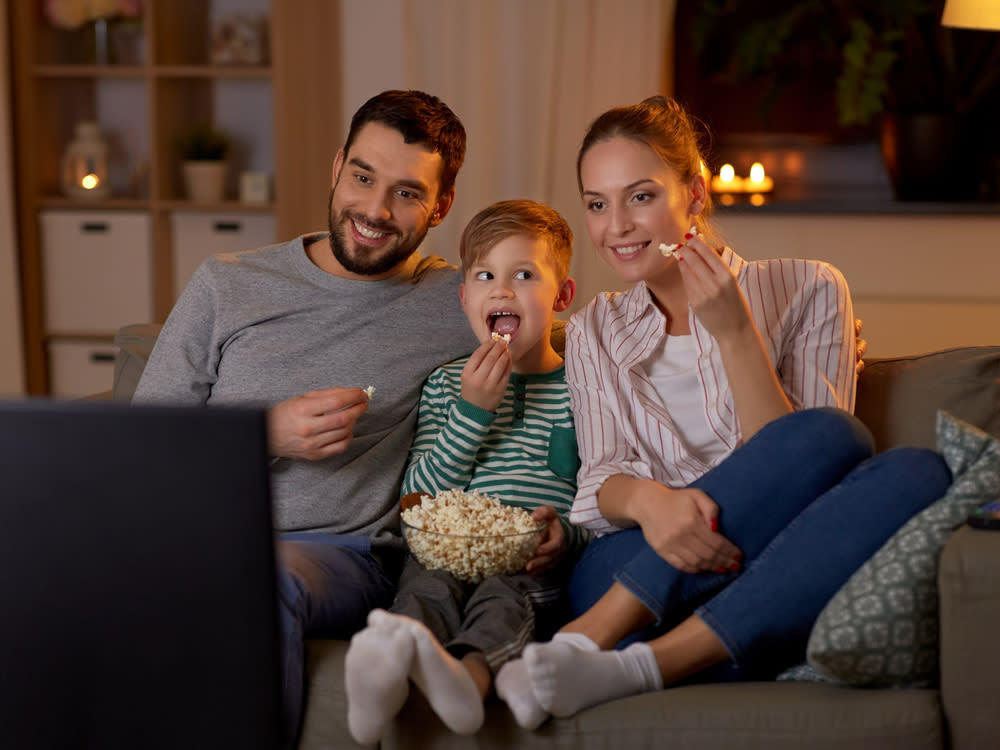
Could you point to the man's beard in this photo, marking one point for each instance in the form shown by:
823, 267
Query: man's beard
364, 265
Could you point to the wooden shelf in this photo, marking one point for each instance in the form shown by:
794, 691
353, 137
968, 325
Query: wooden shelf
285, 118
212, 71
88, 71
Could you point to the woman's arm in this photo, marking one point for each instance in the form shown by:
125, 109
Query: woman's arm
721, 307
597, 412
616, 488
807, 309
817, 363
680, 524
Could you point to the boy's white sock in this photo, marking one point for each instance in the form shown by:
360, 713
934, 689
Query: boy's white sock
447, 684
376, 670
513, 686
566, 678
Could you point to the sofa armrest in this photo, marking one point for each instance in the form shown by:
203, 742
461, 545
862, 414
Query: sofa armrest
969, 591
135, 343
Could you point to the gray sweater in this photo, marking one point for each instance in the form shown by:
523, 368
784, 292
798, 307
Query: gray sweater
258, 327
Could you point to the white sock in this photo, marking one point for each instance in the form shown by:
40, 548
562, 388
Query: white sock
566, 678
445, 681
376, 670
513, 687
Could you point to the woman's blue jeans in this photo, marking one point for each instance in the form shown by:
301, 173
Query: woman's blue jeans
806, 503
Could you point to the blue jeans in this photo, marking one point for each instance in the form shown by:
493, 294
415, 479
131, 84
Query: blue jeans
806, 503
327, 585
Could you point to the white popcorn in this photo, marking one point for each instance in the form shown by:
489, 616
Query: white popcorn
672, 249
471, 535
370, 391
505, 337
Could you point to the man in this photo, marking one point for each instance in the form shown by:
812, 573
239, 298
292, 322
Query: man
300, 329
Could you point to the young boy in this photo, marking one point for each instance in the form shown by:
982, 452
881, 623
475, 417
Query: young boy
498, 421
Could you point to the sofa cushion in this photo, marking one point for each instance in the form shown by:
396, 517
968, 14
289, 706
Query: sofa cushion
755, 715
898, 398
771, 716
881, 628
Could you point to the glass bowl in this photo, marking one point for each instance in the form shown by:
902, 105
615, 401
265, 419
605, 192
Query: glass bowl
472, 557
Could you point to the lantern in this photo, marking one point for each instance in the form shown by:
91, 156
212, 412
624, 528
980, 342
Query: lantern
85, 164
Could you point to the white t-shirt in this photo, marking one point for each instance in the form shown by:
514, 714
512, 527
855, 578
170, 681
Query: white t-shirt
673, 372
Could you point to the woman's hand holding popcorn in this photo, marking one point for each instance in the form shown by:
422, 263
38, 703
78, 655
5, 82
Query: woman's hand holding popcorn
712, 290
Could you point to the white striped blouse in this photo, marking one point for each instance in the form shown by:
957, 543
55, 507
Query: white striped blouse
803, 311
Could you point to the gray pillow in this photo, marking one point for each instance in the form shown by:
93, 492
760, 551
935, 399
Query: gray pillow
881, 628
898, 397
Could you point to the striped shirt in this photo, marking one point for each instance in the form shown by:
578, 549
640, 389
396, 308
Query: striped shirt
524, 453
803, 311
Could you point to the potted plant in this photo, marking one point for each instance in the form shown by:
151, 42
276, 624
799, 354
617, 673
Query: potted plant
203, 150
893, 63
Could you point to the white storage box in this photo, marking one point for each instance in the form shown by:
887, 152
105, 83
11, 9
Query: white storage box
98, 270
80, 368
199, 235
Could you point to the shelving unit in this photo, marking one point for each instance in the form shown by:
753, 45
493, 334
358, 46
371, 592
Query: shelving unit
141, 106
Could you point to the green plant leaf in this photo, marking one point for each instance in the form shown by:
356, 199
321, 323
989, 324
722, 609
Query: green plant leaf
203, 142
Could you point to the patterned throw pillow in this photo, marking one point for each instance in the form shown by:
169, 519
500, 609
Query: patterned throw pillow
881, 628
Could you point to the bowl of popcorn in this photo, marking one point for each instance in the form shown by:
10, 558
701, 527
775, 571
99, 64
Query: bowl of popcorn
471, 535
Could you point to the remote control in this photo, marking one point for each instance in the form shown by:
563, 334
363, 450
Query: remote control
986, 516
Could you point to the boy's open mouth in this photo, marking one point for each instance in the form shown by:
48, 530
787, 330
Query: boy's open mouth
503, 322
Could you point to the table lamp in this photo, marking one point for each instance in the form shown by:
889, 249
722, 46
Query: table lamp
972, 14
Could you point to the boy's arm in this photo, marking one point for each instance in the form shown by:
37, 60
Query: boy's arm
450, 432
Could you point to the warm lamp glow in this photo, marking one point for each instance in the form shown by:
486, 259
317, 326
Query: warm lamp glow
972, 14
90, 181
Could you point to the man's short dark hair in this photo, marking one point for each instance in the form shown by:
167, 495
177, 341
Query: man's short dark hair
419, 118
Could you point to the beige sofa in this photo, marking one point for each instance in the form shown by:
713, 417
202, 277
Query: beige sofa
897, 399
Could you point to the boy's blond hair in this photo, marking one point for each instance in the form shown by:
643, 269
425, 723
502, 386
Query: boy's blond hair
517, 217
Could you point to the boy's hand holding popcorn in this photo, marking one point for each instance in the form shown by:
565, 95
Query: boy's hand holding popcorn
553, 543
485, 376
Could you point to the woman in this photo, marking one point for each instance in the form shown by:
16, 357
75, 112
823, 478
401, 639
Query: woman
732, 491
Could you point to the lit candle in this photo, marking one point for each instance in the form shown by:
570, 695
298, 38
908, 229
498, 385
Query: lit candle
727, 181
758, 182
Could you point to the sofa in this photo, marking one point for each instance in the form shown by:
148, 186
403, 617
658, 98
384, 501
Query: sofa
898, 399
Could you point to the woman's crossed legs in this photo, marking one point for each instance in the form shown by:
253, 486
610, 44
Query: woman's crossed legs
804, 506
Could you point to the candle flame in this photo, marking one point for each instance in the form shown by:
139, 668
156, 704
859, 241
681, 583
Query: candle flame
757, 172
727, 172
90, 181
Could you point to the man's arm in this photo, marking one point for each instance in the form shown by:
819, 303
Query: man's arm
184, 362
315, 425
